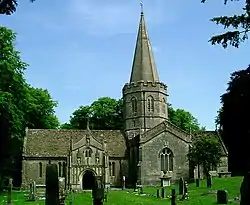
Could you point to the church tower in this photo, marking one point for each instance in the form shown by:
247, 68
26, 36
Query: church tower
145, 97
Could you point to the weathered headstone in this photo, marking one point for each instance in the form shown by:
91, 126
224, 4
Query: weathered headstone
197, 181
52, 185
158, 193
173, 197
222, 197
9, 197
163, 192
181, 186
98, 192
209, 181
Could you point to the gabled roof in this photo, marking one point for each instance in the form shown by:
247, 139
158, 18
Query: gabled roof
46, 142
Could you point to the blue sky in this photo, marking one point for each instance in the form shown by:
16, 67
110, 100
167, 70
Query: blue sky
81, 50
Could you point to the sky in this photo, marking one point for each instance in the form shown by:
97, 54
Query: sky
81, 50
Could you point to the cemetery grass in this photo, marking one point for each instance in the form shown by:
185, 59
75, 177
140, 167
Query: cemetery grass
200, 195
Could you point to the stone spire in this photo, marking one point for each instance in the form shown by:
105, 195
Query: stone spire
144, 68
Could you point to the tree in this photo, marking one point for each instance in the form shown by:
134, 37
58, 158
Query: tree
206, 151
8, 7
104, 113
240, 25
184, 120
13, 97
41, 112
233, 120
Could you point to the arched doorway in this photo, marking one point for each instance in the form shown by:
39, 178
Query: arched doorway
88, 180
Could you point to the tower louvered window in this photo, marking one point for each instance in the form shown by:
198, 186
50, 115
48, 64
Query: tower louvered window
134, 105
150, 104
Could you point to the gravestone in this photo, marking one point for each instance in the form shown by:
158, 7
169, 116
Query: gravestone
173, 197
163, 192
209, 181
9, 197
197, 181
52, 185
222, 197
181, 186
98, 192
158, 193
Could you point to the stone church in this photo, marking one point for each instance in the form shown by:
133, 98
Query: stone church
148, 149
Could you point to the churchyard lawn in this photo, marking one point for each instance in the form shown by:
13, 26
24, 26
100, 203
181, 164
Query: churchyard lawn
200, 195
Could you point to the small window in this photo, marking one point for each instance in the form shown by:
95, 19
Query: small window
110, 169
164, 107
64, 169
40, 169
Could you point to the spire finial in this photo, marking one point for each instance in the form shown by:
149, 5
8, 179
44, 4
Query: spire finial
141, 4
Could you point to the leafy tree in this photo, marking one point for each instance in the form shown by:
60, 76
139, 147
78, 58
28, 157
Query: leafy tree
41, 113
184, 120
239, 26
9, 6
66, 126
206, 151
233, 120
13, 100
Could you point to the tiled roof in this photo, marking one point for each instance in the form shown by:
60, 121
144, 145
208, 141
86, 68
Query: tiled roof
45, 142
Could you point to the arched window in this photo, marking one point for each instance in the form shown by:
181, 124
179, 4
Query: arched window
64, 169
134, 105
150, 102
40, 169
113, 168
166, 160
164, 105
88, 152
59, 169
110, 169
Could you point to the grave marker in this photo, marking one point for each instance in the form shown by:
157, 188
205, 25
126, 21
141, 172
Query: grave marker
222, 197
209, 181
181, 185
173, 197
9, 197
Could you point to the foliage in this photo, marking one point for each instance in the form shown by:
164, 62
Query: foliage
20, 104
8, 7
107, 113
206, 151
183, 119
41, 113
239, 25
104, 113
233, 117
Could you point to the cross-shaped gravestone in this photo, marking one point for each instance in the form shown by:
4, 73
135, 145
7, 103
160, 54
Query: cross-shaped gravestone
222, 197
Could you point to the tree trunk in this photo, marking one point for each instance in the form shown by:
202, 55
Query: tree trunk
245, 190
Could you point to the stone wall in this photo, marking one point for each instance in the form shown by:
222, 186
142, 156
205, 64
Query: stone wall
150, 165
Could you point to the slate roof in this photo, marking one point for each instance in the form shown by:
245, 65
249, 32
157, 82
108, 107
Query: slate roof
46, 142
214, 134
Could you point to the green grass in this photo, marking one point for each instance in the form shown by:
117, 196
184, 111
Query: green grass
232, 185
